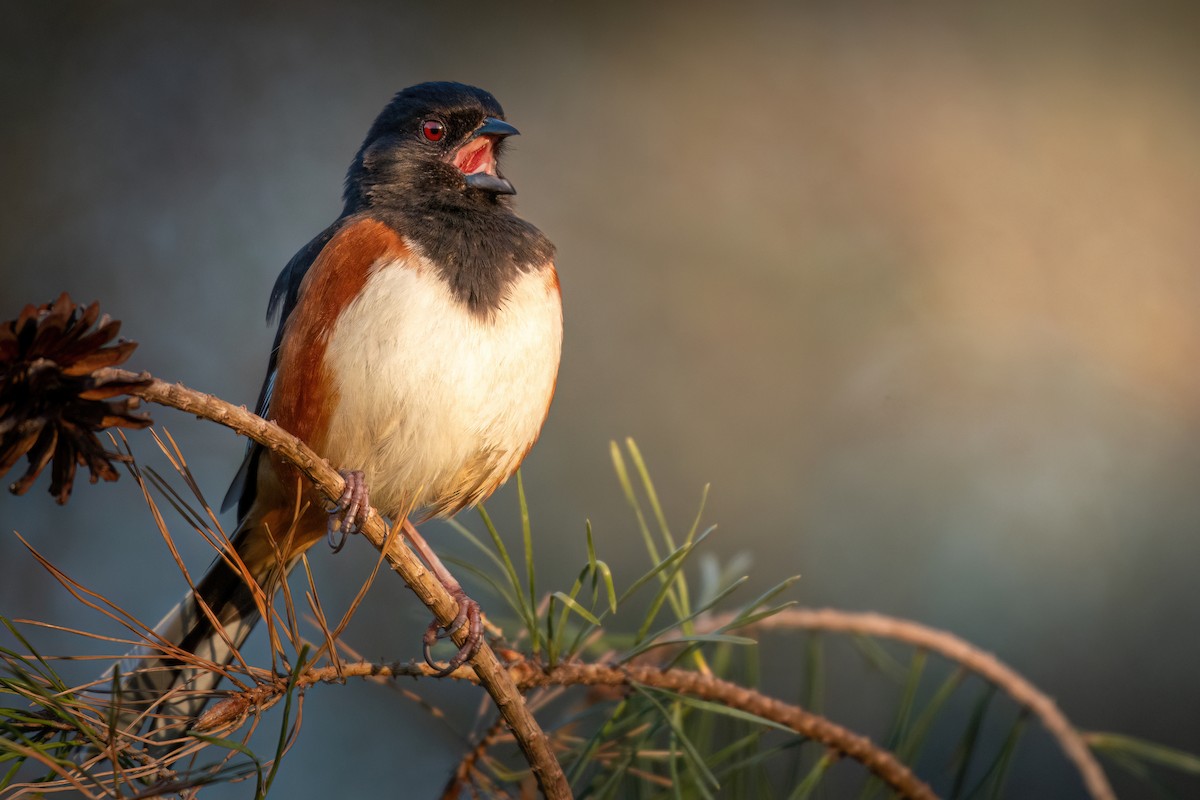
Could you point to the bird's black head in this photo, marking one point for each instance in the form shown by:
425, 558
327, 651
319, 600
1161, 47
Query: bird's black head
434, 143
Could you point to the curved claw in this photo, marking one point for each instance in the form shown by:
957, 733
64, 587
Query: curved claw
345, 517
335, 545
468, 614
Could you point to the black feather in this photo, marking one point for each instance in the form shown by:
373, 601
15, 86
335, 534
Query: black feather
472, 237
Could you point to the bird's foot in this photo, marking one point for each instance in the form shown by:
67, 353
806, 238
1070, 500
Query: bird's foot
468, 614
351, 509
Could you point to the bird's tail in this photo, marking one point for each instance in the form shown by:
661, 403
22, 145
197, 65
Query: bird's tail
165, 683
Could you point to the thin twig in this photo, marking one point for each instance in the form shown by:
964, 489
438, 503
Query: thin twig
959, 651
492, 676
468, 766
529, 675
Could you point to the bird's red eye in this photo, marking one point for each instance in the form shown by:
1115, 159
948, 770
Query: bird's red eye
433, 130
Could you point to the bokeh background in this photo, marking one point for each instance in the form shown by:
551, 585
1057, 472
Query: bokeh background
914, 287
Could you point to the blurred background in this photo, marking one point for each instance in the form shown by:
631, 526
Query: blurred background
914, 288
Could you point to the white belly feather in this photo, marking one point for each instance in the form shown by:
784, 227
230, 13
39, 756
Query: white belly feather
437, 405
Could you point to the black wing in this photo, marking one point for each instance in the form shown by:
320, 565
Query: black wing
283, 300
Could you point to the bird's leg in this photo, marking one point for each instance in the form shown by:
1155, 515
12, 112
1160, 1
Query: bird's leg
351, 509
468, 609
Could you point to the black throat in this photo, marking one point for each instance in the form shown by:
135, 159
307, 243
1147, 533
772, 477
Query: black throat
478, 249
407, 178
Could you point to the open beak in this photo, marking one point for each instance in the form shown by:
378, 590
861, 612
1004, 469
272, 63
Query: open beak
477, 158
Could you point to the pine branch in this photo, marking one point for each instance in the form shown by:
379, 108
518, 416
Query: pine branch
491, 675
529, 675
954, 649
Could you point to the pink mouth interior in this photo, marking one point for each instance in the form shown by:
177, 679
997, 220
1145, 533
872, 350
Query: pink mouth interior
476, 156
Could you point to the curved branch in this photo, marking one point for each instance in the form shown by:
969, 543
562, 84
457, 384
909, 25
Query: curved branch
529, 675
879, 761
492, 676
961, 652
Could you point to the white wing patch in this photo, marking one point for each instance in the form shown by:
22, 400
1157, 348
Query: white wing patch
268, 393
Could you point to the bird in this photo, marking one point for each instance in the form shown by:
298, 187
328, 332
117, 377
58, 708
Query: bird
417, 350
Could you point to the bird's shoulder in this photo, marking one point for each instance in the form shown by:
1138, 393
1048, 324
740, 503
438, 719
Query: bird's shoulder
338, 254
343, 251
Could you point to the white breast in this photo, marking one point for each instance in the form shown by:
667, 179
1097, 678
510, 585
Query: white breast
436, 405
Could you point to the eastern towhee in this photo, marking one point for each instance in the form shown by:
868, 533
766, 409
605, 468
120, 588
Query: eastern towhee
417, 351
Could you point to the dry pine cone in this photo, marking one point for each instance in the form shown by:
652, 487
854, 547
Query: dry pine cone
51, 404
